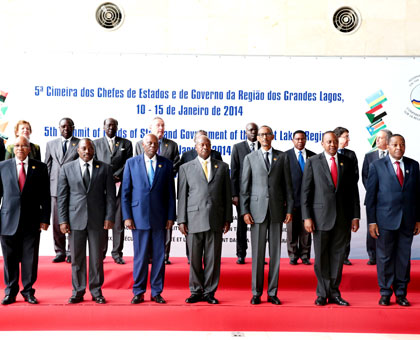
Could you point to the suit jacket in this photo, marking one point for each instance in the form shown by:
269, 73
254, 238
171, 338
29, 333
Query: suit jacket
123, 150
352, 155
28, 208
297, 173
189, 155
149, 206
239, 151
168, 149
369, 158
321, 201
2, 150
80, 207
387, 203
55, 159
204, 205
262, 190
35, 152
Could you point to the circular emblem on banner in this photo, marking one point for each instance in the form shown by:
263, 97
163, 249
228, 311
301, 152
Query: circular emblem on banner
415, 97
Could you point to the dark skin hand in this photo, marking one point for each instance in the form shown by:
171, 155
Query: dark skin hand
250, 220
183, 228
374, 230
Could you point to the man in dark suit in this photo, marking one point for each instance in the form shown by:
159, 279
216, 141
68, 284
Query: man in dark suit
148, 204
266, 200
86, 209
298, 239
25, 210
382, 139
393, 213
115, 151
330, 207
343, 141
239, 151
59, 152
204, 213
168, 149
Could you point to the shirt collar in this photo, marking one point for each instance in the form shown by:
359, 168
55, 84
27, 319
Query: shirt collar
82, 163
25, 161
202, 160
393, 160
146, 159
328, 156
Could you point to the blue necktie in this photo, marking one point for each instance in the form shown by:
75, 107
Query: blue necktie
151, 173
301, 161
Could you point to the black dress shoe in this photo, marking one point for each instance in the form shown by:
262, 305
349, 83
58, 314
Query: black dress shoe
8, 299
384, 300
274, 300
59, 258
402, 301
119, 260
293, 262
76, 299
347, 262
240, 260
137, 299
68, 259
168, 262
31, 299
338, 300
256, 300
194, 298
306, 261
321, 301
210, 299
99, 299
371, 262
158, 299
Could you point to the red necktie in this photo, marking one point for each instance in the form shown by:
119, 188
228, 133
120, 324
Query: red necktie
399, 173
22, 176
334, 173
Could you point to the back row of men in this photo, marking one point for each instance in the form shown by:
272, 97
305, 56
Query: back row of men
310, 193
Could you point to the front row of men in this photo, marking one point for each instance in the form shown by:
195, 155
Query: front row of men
329, 202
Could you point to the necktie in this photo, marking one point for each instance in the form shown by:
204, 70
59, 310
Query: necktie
334, 173
399, 173
301, 161
64, 147
151, 173
267, 161
22, 176
158, 150
252, 147
206, 172
111, 145
86, 176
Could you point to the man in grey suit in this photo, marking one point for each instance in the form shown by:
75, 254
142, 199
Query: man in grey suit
204, 213
59, 152
266, 200
168, 149
115, 151
330, 208
86, 209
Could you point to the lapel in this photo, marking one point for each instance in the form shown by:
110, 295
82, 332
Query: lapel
77, 171
158, 170
295, 164
60, 154
117, 146
214, 168
29, 172
199, 169
164, 147
12, 168
407, 172
390, 168
95, 169
142, 168
340, 169
261, 160
70, 147
326, 170
276, 155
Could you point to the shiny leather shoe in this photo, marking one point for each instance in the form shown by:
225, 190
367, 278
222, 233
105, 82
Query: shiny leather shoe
274, 300
210, 299
347, 262
75, 299
306, 261
137, 299
338, 300
194, 298
8, 299
168, 262
68, 259
240, 260
31, 299
293, 262
158, 299
256, 300
371, 262
321, 301
402, 301
384, 300
119, 260
99, 299
59, 258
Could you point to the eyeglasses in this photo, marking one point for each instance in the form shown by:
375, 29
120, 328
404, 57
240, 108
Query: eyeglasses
268, 134
17, 146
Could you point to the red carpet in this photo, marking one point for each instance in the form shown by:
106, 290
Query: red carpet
235, 313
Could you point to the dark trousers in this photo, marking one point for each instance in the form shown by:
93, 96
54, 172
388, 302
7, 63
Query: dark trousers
117, 232
59, 237
370, 245
23, 248
393, 252
347, 252
168, 240
329, 249
298, 239
241, 235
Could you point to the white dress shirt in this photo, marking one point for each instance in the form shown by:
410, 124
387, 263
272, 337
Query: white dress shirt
208, 164
25, 165
328, 157
83, 168
147, 161
393, 160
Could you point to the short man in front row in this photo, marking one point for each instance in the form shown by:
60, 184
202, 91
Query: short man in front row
239, 151
330, 207
266, 203
86, 210
393, 213
115, 151
148, 205
298, 239
25, 210
204, 213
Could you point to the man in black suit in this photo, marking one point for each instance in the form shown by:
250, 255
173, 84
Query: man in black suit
330, 207
298, 239
382, 139
25, 210
343, 141
168, 149
114, 151
393, 213
239, 151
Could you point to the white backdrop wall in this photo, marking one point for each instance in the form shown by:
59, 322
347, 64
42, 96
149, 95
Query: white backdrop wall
218, 94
